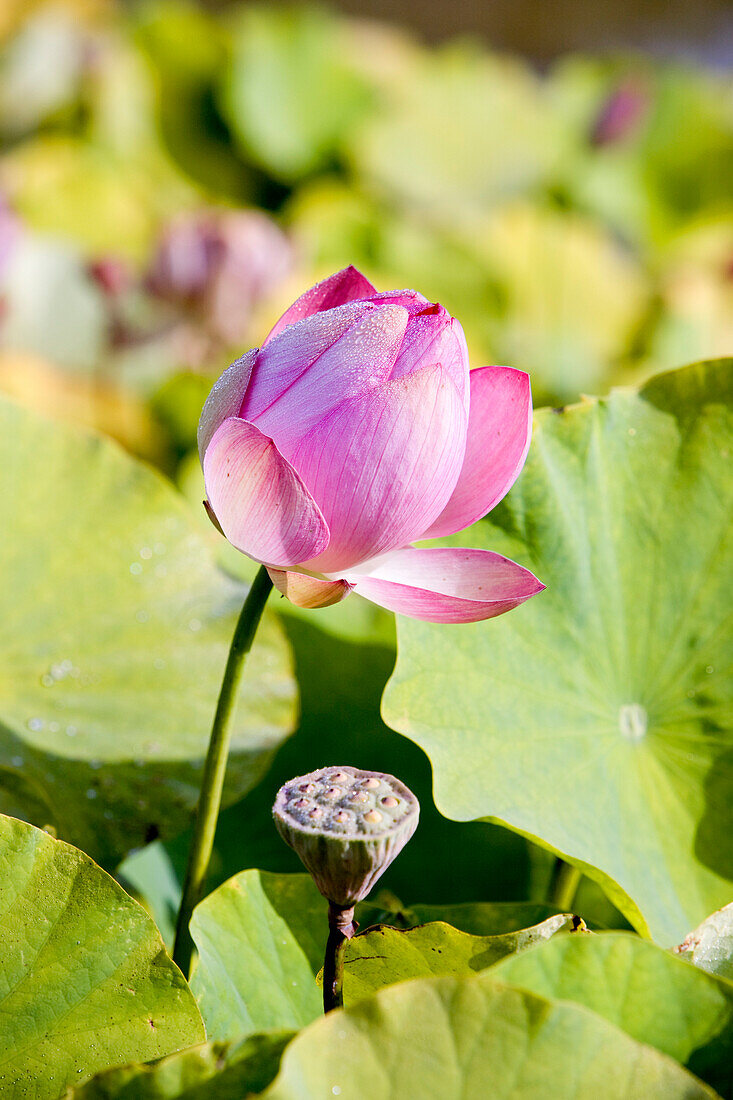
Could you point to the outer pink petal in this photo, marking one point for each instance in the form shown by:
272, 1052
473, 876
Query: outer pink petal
225, 398
499, 430
345, 286
262, 505
308, 591
318, 363
383, 465
446, 585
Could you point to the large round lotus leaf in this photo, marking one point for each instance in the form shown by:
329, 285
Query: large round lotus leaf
114, 631
475, 1037
85, 982
594, 717
641, 988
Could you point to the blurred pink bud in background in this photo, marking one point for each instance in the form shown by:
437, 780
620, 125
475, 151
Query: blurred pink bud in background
218, 265
622, 113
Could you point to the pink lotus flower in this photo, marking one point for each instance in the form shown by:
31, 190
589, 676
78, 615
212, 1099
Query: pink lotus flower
356, 430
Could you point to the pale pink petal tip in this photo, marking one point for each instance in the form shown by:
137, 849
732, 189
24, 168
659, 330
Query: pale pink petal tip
347, 285
447, 585
499, 430
260, 502
305, 591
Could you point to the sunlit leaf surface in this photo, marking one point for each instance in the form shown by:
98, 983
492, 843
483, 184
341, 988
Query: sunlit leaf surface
85, 982
642, 989
114, 629
448, 1037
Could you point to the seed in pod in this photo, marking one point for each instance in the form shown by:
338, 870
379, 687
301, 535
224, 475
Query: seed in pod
365, 820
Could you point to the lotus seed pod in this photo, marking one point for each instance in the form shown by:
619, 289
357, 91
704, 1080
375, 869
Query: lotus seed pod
347, 828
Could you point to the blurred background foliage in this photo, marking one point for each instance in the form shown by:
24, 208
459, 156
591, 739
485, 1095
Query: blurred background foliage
171, 177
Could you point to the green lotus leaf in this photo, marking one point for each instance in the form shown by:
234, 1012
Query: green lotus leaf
384, 955
43, 64
114, 630
186, 49
290, 96
640, 988
594, 717
570, 299
457, 130
53, 310
99, 203
479, 918
86, 982
222, 1070
710, 946
448, 1037
260, 940
696, 319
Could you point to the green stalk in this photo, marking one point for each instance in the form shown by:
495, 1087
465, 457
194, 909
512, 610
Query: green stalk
341, 927
212, 783
566, 881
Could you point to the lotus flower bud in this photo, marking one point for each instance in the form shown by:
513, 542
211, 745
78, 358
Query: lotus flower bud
347, 826
355, 430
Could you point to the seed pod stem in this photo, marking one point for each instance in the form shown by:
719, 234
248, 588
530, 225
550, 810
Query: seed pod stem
341, 927
347, 826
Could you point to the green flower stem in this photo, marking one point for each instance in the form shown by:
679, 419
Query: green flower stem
566, 881
212, 783
341, 927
